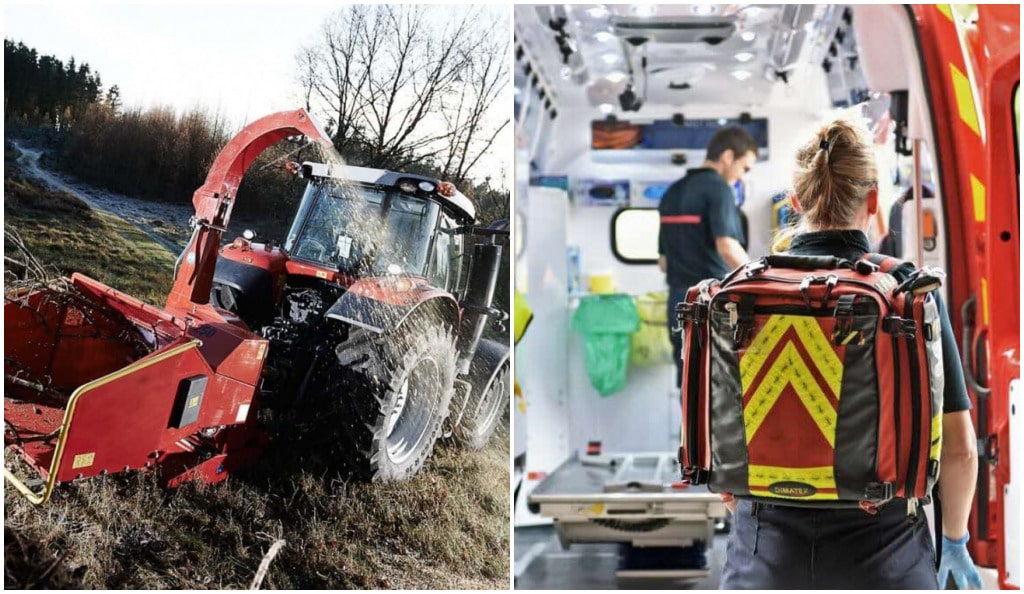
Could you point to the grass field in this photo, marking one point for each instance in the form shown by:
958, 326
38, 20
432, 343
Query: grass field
447, 528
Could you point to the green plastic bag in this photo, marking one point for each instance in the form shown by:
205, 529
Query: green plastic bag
606, 322
651, 344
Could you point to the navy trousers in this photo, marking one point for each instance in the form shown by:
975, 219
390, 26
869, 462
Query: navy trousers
777, 547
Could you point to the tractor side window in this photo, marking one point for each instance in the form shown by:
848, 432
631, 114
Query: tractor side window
635, 235
441, 265
409, 227
300, 215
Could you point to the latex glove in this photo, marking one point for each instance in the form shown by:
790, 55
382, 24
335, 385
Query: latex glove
729, 501
957, 562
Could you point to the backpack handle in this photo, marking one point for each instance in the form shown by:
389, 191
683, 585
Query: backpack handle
806, 262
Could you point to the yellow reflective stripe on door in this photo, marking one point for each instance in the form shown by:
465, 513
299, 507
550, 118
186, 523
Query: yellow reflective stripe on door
964, 99
978, 196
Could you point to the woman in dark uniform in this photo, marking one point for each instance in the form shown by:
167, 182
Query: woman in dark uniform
836, 186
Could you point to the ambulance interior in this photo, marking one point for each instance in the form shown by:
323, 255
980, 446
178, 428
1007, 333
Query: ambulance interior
613, 103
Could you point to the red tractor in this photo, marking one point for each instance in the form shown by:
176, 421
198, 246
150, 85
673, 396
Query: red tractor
364, 329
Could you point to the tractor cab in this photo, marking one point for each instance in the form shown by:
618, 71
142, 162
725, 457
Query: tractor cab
370, 222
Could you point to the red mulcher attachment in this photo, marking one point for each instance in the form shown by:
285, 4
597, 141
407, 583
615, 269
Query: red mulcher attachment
96, 381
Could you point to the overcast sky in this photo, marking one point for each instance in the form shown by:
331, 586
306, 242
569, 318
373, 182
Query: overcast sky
237, 60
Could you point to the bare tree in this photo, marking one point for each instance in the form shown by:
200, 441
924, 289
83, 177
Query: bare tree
469, 114
408, 86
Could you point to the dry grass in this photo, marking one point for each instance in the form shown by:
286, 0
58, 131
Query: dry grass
447, 528
63, 232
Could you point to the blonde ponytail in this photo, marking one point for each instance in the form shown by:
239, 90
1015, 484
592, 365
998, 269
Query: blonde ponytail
834, 173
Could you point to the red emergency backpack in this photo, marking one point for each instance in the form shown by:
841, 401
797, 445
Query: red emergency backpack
813, 381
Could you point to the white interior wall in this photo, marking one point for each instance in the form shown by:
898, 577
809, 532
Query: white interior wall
645, 415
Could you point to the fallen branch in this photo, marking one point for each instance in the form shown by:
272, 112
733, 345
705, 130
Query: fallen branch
265, 564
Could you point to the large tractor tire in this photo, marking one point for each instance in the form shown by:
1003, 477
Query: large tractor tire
395, 400
483, 412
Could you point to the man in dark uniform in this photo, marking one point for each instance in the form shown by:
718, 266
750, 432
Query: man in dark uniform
701, 234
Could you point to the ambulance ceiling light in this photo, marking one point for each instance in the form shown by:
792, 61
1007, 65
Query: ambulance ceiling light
704, 9
597, 12
644, 10
748, 36
741, 74
603, 36
610, 58
616, 77
606, 108
744, 56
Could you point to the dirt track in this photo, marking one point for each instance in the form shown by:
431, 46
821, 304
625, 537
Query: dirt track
163, 222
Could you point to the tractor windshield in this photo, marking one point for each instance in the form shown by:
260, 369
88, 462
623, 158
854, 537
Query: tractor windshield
361, 230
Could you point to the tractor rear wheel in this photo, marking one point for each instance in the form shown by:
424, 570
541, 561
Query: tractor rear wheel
483, 411
396, 400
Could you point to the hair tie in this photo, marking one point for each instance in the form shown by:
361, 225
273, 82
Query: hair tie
826, 146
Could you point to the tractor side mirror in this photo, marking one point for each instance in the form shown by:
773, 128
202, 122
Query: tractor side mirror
249, 234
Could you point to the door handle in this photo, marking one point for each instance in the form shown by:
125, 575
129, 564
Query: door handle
968, 347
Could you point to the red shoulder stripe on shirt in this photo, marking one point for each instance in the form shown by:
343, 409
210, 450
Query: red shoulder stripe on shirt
681, 220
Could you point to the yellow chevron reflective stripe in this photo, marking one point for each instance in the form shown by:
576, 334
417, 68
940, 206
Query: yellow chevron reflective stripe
945, 10
790, 369
964, 99
819, 477
978, 194
933, 453
767, 395
761, 347
820, 349
814, 340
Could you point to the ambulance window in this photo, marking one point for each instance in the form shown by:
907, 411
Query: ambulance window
1016, 140
635, 235
1016, 127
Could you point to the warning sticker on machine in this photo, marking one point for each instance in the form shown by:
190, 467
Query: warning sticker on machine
83, 460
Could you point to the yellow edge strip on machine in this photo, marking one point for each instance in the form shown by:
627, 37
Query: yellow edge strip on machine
44, 496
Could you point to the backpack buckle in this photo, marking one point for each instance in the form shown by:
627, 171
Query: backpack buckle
844, 333
696, 475
830, 281
879, 492
902, 327
743, 314
755, 268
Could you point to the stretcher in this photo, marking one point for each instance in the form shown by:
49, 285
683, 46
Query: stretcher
635, 499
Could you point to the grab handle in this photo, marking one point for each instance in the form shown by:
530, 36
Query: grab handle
807, 262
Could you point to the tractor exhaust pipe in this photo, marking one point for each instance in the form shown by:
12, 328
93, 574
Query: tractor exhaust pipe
483, 277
